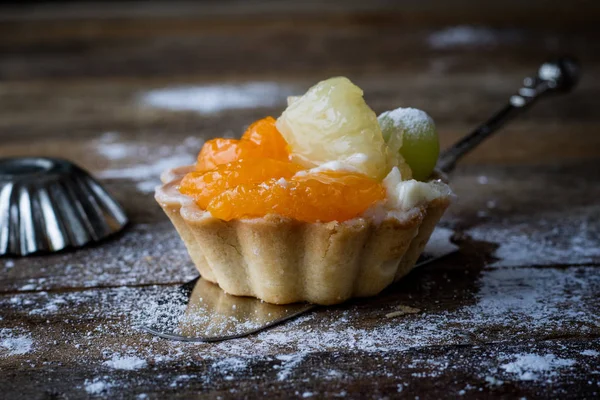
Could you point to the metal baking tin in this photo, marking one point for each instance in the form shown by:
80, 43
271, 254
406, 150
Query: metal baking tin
50, 204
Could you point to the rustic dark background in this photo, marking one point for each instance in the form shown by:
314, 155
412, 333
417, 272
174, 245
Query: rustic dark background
127, 89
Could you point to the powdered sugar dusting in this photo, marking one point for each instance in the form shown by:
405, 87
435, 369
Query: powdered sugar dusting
573, 240
147, 175
592, 353
97, 386
209, 99
14, 344
528, 367
527, 301
142, 163
533, 298
469, 36
156, 248
288, 365
418, 122
229, 366
125, 362
524, 299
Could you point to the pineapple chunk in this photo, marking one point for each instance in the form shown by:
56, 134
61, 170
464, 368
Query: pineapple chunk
332, 122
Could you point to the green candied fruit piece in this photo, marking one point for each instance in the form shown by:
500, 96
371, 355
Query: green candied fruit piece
413, 132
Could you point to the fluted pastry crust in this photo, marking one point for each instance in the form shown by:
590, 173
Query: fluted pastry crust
283, 261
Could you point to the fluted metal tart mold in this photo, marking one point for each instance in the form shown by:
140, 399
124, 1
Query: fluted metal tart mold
284, 261
50, 204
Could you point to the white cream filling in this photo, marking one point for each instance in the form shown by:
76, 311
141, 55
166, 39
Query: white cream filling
404, 195
350, 164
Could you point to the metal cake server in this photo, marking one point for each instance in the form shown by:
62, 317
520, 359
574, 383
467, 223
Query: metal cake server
207, 314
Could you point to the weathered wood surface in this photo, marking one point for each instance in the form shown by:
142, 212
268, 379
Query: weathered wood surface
516, 313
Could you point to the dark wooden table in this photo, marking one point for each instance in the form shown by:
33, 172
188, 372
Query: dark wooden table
127, 91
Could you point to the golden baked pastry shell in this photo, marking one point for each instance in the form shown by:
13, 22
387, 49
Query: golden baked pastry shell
284, 261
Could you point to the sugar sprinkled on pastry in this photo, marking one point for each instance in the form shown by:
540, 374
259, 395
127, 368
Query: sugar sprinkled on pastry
412, 133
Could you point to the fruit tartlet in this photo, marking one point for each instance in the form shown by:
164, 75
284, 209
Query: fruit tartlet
326, 203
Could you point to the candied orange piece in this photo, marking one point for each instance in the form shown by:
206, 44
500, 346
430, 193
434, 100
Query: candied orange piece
261, 140
204, 186
324, 196
216, 152
253, 177
264, 134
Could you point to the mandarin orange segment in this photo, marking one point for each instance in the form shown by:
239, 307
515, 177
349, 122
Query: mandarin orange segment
264, 134
243, 179
261, 140
204, 186
310, 198
216, 152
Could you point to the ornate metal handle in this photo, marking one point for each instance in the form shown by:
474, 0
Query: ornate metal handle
556, 76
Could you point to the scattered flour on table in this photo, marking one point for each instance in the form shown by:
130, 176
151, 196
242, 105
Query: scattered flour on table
155, 247
529, 367
126, 362
534, 297
152, 161
492, 381
592, 353
97, 385
109, 147
529, 301
573, 241
181, 379
288, 365
228, 367
482, 180
469, 36
526, 299
208, 99
12, 344
142, 172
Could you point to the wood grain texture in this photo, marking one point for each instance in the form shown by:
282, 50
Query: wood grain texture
80, 80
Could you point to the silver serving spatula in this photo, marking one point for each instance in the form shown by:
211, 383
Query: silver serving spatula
201, 312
